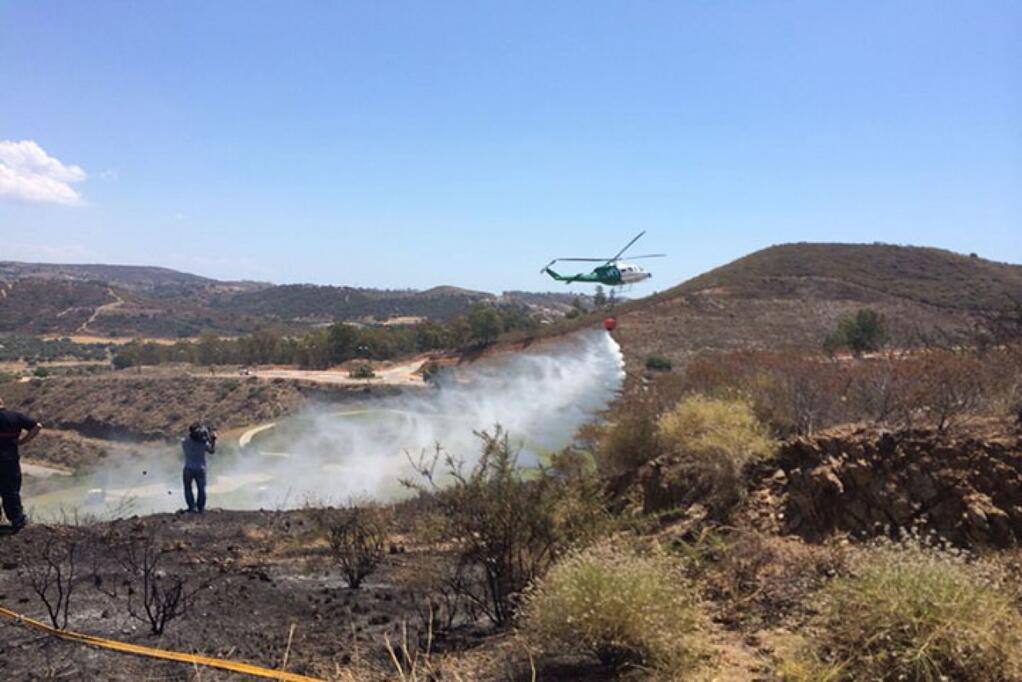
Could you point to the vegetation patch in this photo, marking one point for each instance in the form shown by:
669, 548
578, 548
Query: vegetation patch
707, 443
624, 607
912, 611
659, 363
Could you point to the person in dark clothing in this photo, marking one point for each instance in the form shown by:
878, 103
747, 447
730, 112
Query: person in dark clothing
12, 424
200, 441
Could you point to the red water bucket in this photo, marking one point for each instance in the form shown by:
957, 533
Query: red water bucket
610, 324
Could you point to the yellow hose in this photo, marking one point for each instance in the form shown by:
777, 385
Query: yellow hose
138, 650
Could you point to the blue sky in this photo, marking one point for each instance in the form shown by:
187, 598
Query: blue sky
411, 144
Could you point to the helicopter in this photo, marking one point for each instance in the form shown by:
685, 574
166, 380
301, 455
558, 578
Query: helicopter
611, 273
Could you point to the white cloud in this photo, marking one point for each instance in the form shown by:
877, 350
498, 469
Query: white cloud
28, 173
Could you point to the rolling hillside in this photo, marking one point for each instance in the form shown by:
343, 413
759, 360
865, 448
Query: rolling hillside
790, 296
322, 303
128, 301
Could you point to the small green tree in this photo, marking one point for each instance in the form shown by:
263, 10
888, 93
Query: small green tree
658, 363
862, 332
343, 340
599, 298
486, 323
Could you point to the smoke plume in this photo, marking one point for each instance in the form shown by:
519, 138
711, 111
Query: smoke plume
330, 454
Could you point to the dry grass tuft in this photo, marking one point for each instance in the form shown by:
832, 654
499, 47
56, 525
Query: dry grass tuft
624, 607
710, 441
912, 611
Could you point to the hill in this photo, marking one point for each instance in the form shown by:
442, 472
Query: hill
926, 275
128, 301
136, 278
791, 296
312, 303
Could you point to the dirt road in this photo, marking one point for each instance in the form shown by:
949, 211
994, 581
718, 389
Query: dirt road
403, 374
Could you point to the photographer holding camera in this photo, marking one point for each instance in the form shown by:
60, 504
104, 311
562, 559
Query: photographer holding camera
200, 441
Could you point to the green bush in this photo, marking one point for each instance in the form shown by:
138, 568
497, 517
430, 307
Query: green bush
621, 606
41, 372
363, 371
864, 331
711, 440
658, 363
911, 611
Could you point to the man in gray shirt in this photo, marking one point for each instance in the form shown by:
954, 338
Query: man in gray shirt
200, 441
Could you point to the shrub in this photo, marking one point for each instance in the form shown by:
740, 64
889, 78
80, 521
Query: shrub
364, 371
711, 440
623, 607
658, 363
914, 612
41, 372
862, 332
357, 535
52, 574
950, 385
506, 531
630, 441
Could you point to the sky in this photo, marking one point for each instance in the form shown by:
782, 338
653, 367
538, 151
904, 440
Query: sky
411, 144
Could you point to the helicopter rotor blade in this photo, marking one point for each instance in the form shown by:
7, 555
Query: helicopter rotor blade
647, 255
627, 246
586, 260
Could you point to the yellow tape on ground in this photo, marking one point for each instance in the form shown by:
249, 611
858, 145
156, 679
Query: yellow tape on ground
150, 652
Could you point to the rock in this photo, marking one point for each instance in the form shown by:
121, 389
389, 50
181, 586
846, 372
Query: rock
827, 482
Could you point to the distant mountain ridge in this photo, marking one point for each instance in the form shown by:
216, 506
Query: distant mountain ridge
126, 300
789, 295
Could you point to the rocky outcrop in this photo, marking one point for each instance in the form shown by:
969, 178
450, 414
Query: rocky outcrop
965, 487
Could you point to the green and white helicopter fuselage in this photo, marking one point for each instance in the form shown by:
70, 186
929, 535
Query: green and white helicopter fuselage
617, 275
613, 272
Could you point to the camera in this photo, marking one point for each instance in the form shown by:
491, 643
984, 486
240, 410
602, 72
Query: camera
205, 433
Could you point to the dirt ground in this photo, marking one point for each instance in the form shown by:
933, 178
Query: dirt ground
261, 578
263, 572
404, 373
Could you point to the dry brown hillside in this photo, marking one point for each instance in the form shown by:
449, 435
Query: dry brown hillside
92, 411
791, 296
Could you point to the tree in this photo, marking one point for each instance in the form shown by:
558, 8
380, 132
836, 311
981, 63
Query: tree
208, 350
862, 332
486, 323
314, 350
599, 298
343, 340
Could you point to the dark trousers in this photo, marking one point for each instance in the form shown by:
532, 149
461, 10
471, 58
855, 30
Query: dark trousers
10, 489
199, 476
